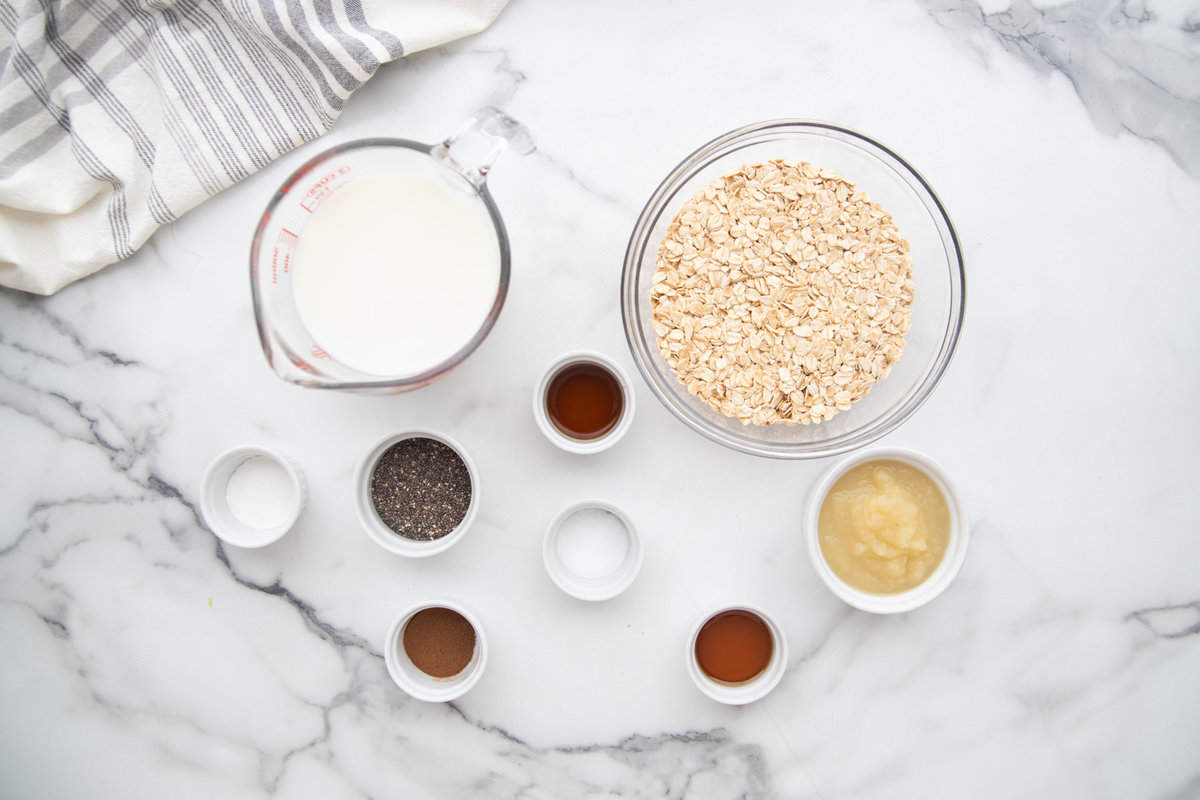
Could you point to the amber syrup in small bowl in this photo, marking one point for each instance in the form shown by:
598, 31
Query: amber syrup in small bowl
734, 646
583, 403
737, 654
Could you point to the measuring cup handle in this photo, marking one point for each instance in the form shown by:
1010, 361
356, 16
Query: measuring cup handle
474, 149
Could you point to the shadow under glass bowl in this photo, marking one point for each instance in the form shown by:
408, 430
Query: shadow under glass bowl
938, 278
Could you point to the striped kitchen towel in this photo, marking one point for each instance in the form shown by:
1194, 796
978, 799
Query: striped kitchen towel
117, 116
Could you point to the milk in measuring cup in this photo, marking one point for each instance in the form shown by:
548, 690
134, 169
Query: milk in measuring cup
395, 273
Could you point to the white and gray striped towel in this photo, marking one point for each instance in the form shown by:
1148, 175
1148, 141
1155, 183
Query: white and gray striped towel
117, 116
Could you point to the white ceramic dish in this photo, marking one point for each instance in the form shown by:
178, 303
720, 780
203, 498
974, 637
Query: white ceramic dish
384, 536
583, 446
758, 687
587, 587
214, 504
426, 687
943, 575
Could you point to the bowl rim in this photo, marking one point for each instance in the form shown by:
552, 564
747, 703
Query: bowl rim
942, 576
639, 241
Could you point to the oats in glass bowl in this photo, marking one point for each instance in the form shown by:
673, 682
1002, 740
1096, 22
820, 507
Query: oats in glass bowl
781, 294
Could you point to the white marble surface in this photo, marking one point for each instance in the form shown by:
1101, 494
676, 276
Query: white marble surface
142, 659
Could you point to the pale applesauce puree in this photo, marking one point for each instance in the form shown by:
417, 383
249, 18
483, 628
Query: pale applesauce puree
884, 527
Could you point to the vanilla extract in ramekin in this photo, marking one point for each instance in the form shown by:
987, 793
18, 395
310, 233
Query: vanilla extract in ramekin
584, 402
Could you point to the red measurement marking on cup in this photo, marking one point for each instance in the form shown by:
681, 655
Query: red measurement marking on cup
317, 352
281, 258
304, 365
325, 186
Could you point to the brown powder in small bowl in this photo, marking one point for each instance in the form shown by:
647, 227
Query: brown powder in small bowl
440, 642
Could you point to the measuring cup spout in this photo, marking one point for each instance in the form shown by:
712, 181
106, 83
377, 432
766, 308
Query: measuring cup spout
474, 149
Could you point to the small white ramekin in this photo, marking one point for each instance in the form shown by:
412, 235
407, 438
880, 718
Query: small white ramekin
417, 683
583, 446
586, 588
384, 536
758, 687
214, 504
931, 587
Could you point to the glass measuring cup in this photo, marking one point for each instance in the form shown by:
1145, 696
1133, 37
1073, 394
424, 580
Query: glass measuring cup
464, 159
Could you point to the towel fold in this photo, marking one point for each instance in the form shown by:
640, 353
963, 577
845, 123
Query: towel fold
117, 116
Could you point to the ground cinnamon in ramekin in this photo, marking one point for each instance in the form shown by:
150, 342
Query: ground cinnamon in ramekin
439, 641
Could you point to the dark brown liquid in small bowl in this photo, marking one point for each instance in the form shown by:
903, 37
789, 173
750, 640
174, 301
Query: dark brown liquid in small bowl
584, 401
734, 646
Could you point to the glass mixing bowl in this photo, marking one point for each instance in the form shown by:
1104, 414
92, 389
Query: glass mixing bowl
938, 277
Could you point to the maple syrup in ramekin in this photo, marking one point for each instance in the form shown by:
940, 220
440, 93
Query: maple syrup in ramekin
734, 646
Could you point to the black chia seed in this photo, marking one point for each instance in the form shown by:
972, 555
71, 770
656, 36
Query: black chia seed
421, 488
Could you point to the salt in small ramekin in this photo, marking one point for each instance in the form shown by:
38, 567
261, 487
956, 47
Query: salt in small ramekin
942, 576
582, 587
384, 536
214, 505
